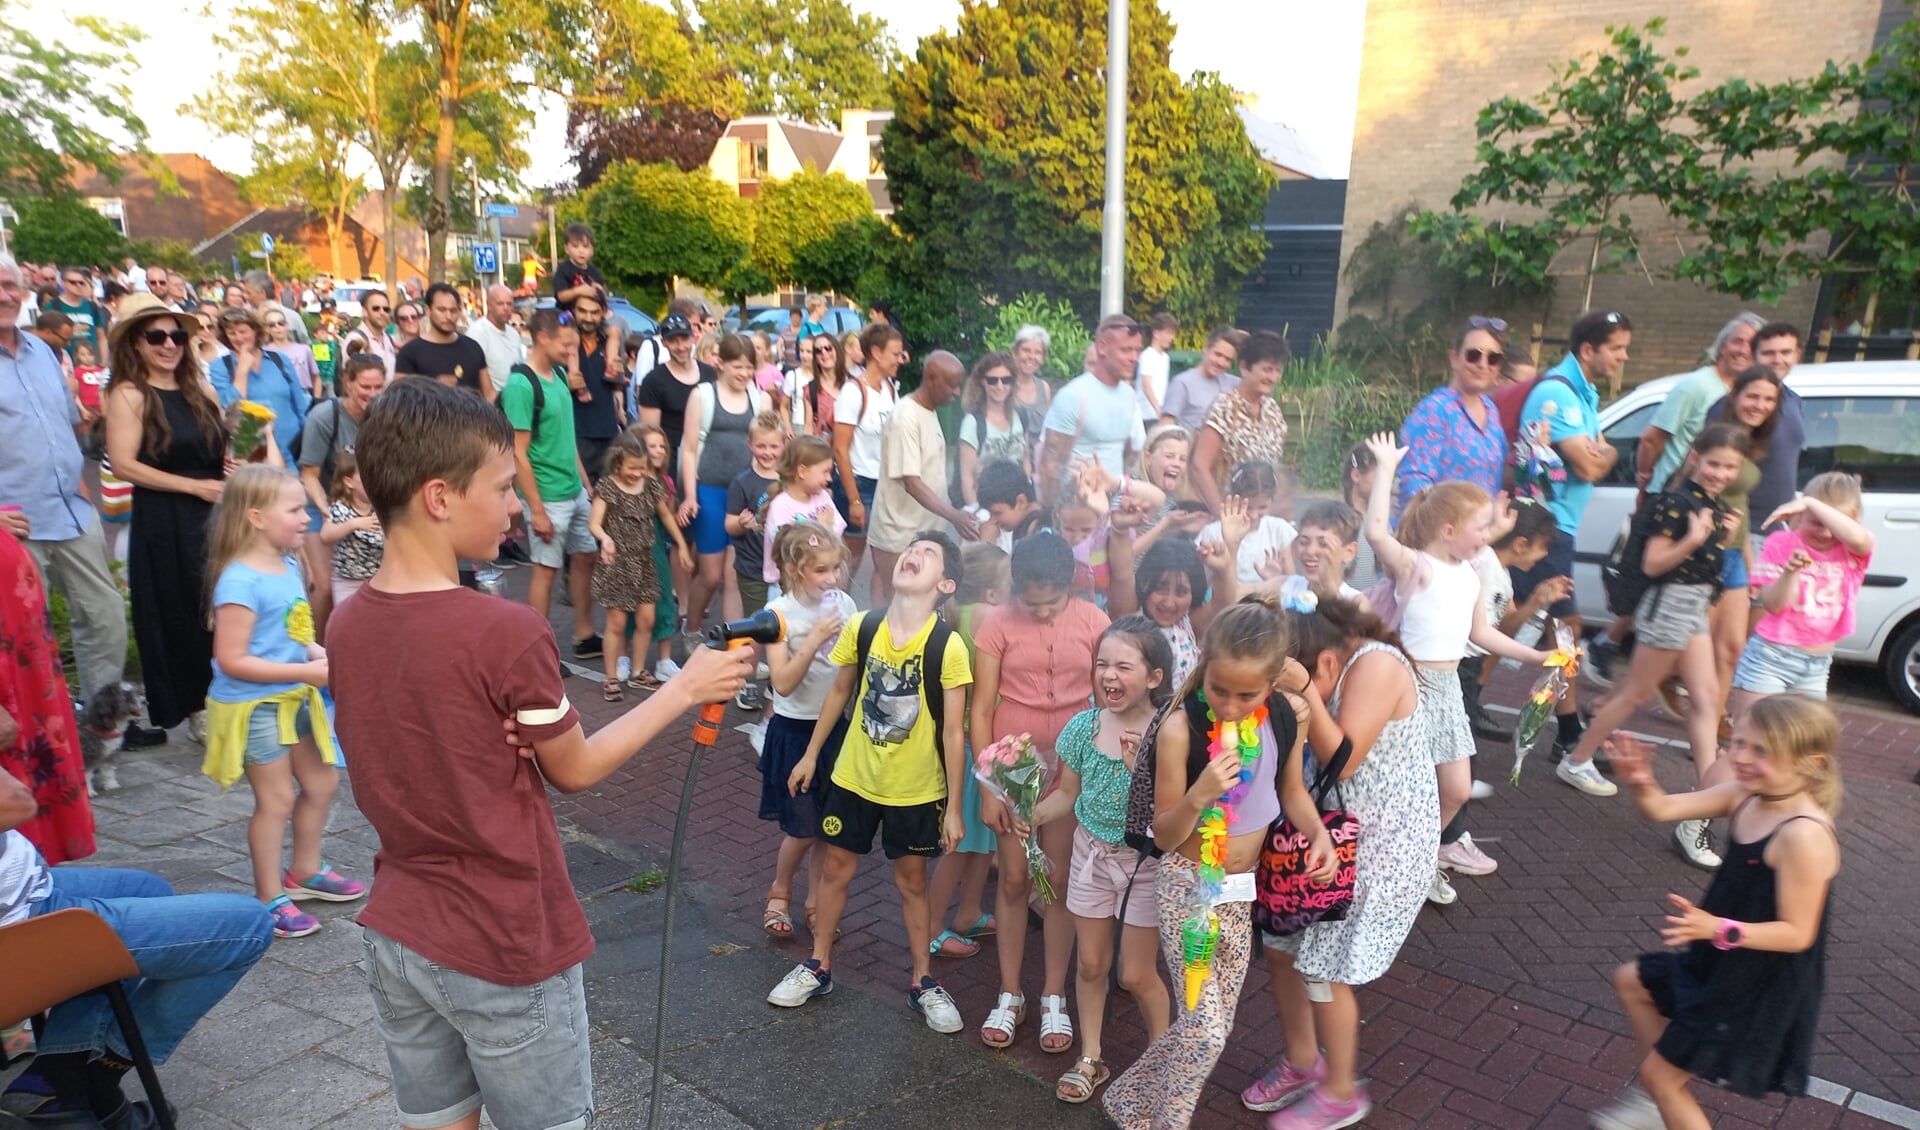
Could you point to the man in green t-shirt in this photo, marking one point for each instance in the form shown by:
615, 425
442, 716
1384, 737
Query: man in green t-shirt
76, 302
553, 484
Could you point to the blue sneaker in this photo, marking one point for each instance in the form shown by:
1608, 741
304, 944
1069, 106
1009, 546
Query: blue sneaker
289, 921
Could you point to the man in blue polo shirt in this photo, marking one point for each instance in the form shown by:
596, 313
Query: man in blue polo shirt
40, 499
1562, 414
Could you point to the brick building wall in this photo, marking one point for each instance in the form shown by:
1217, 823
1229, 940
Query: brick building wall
1429, 66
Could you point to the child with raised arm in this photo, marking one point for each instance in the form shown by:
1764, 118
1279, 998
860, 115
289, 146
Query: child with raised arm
1809, 576
1438, 596
473, 937
902, 758
1734, 998
814, 607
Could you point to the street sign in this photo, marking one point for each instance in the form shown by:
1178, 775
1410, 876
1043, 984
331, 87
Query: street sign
266, 243
505, 211
486, 258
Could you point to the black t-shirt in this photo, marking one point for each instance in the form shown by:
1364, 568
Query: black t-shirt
1669, 519
462, 359
661, 389
597, 418
748, 492
567, 276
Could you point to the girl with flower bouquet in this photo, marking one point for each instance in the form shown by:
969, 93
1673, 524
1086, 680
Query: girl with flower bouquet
1226, 765
1033, 671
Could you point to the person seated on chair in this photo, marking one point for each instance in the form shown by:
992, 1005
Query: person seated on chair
191, 949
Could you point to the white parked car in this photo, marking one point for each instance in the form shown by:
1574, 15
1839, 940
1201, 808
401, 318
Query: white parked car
346, 298
1861, 416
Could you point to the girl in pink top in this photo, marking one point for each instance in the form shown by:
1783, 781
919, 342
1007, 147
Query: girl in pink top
1809, 576
805, 470
1033, 671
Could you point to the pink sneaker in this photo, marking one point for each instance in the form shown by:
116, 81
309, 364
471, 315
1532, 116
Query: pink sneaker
1283, 1085
289, 921
1464, 856
326, 884
1320, 1111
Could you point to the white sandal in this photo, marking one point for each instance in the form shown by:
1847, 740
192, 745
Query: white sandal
997, 1030
1054, 1022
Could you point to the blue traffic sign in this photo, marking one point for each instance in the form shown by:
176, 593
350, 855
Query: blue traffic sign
486, 258
266, 243
504, 211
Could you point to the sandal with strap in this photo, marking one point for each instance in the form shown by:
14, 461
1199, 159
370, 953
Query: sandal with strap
643, 680
961, 946
610, 691
1054, 1023
812, 915
1081, 1080
778, 923
984, 928
997, 1030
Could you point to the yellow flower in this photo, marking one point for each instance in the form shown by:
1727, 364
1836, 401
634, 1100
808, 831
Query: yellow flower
257, 411
300, 622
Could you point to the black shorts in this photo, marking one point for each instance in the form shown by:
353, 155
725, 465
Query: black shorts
753, 590
593, 456
849, 820
1557, 563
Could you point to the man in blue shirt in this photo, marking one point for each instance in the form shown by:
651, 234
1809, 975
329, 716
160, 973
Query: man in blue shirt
1562, 414
40, 495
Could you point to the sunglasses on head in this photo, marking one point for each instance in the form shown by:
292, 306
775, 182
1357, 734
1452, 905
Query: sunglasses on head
1490, 356
158, 337
1495, 324
566, 318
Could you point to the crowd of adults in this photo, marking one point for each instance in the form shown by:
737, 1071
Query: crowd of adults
124, 377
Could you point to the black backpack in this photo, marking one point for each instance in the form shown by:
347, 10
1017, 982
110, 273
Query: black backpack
932, 657
1139, 825
539, 395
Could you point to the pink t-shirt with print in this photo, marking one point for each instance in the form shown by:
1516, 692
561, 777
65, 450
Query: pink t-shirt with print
1821, 612
782, 509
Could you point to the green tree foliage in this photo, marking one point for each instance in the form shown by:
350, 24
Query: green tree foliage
1844, 204
63, 229
173, 254
57, 99
846, 260
995, 161
1064, 326
796, 216
653, 223
299, 168
1561, 170
288, 261
802, 59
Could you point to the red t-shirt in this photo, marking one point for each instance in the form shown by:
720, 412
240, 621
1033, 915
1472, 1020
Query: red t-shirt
470, 871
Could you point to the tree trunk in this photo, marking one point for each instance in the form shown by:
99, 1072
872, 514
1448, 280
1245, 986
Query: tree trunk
440, 211
388, 180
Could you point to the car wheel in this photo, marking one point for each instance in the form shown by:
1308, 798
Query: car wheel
1900, 665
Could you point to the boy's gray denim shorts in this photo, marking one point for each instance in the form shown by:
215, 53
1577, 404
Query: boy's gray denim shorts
455, 1042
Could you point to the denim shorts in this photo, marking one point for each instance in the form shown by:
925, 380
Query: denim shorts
1670, 615
453, 1039
1733, 570
867, 488
1771, 668
263, 733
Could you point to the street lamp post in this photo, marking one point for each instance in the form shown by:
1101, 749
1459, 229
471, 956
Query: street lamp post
1113, 221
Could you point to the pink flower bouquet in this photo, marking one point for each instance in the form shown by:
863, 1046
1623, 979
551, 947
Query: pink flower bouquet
1010, 769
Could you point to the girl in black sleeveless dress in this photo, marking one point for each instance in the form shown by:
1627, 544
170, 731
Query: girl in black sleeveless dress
1735, 998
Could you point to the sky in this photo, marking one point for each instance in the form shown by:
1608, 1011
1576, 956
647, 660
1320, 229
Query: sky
1300, 57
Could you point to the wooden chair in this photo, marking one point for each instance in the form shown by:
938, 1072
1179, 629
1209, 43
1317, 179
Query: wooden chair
66, 954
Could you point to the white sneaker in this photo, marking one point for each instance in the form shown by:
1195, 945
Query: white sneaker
1480, 791
805, 982
197, 726
665, 669
1584, 776
624, 668
1634, 1111
762, 673
933, 1002
1440, 892
1694, 838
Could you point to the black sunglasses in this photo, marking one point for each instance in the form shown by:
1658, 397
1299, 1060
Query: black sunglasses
379, 309
1490, 356
996, 380
159, 337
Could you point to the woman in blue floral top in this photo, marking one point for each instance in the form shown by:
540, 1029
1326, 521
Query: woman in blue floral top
1455, 432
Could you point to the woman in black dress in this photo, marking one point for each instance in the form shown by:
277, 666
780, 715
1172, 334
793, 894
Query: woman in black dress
166, 437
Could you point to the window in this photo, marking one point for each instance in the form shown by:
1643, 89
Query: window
1624, 434
113, 208
875, 168
1875, 437
753, 160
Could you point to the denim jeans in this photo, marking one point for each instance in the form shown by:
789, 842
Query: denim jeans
191, 949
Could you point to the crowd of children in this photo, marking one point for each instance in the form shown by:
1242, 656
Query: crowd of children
1206, 675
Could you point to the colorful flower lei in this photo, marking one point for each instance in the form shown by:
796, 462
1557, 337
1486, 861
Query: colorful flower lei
1201, 931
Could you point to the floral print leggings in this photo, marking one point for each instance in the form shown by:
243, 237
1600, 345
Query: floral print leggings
1162, 1088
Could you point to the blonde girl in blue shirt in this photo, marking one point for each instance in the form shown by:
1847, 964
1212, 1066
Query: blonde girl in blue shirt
264, 712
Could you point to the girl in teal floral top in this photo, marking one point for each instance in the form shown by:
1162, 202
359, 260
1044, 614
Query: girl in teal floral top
1132, 678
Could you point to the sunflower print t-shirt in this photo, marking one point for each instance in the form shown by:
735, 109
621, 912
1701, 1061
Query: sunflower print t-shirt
282, 624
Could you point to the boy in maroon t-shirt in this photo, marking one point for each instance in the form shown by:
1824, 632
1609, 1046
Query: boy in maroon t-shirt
474, 938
